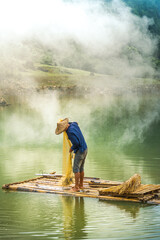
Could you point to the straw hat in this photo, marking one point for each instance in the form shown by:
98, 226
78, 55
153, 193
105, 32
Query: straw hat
61, 126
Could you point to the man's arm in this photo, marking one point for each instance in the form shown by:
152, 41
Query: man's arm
74, 141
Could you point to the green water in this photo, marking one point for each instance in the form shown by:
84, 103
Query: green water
122, 134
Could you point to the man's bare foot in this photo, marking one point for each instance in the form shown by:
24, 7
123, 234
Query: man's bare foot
81, 187
74, 189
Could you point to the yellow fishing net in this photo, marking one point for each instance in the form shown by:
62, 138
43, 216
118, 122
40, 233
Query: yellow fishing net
67, 161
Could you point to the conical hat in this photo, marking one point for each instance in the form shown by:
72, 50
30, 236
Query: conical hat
61, 126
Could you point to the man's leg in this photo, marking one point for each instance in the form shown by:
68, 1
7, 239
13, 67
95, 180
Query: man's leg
78, 169
82, 169
81, 179
76, 173
77, 180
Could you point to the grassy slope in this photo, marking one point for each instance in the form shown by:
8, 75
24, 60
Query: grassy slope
58, 76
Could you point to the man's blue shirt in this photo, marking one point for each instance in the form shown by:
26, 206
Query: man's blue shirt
76, 137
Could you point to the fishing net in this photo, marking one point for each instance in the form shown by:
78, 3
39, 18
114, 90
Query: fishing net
67, 161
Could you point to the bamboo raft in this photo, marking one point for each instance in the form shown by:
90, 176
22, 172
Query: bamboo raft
93, 187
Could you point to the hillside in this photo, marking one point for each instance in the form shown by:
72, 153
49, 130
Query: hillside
69, 81
151, 9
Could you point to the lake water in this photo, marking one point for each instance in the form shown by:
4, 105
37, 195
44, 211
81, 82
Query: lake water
122, 133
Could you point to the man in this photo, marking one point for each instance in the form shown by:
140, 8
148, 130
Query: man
79, 147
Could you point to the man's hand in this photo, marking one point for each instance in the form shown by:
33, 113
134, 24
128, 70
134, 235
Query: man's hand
70, 150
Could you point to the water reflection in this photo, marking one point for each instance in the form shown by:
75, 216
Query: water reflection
130, 209
74, 217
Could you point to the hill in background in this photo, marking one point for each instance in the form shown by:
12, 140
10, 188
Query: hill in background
151, 9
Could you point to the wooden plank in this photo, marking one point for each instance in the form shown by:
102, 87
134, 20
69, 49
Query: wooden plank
147, 197
94, 178
154, 201
102, 185
119, 199
48, 175
148, 188
142, 197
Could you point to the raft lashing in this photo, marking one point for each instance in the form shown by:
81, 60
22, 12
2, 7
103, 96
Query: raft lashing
131, 191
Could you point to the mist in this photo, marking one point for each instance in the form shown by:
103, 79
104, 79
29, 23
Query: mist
92, 35
96, 36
